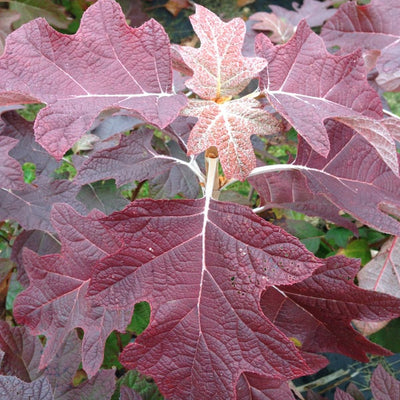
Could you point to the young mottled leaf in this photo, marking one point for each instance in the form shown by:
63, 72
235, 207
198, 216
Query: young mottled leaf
105, 66
219, 68
228, 127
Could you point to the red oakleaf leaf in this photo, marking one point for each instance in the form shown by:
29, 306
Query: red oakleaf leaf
281, 29
56, 312
219, 68
38, 389
106, 65
352, 178
313, 11
307, 85
341, 395
22, 352
371, 26
31, 206
318, 311
228, 127
132, 159
11, 175
384, 386
203, 284
27, 149
282, 22
381, 274
252, 386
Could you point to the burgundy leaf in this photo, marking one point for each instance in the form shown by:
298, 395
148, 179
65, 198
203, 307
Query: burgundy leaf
38, 241
106, 65
282, 30
60, 373
318, 311
307, 85
371, 26
31, 206
11, 175
203, 284
384, 386
381, 274
27, 150
228, 127
352, 178
132, 159
252, 386
219, 68
313, 11
12, 388
103, 195
22, 352
56, 312
177, 180
341, 395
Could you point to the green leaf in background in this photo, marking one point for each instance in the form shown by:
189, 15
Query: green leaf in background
114, 345
31, 9
29, 172
388, 337
358, 249
339, 236
309, 235
140, 318
140, 384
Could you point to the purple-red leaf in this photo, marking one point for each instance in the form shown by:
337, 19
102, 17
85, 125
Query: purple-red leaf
252, 386
384, 386
203, 284
132, 159
56, 312
219, 68
307, 85
11, 175
381, 274
106, 65
228, 127
22, 352
341, 395
12, 388
352, 178
372, 26
318, 311
31, 206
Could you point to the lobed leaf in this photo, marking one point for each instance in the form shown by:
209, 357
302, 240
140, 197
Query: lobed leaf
56, 312
318, 311
219, 68
203, 284
371, 26
106, 65
352, 178
307, 85
228, 127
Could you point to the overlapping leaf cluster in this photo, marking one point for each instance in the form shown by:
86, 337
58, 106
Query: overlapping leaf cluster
239, 307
